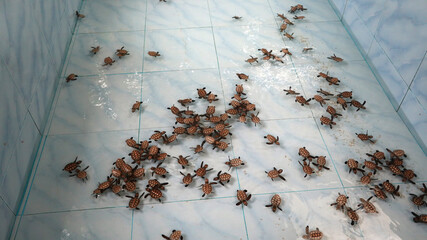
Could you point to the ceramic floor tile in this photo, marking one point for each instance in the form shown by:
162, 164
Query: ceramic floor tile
196, 220
99, 103
175, 190
162, 90
91, 224
194, 13
235, 44
82, 62
52, 189
326, 39
394, 220
299, 210
389, 132
222, 12
180, 49
355, 77
265, 89
249, 144
317, 11
108, 16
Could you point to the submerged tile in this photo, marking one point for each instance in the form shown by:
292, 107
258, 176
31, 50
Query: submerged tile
317, 11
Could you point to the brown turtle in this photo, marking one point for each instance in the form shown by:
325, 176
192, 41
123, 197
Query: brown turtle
71, 77
132, 143
377, 156
222, 177
371, 165
340, 202
302, 100
187, 179
130, 186
183, 161
79, 15
335, 58
395, 170
342, 102
289, 36
283, 27
236, 17
176, 234
366, 179
319, 99
418, 200
207, 187
145, 144
81, 174
251, 60
275, 174
154, 53
159, 171
357, 104
346, 94
390, 188
154, 183
353, 165
179, 130
333, 81
326, 93
255, 119
197, 149
419, 218
135, 201
175, 110
282, 16
70, 167
108, 61
332, 111
136, 156
399, 153
327, 121
365, 137
154, 193
303, 152
136, 106
354, 217
320, 163
235, 162
368, 206
290, 91
138, 172
242, 197
242, 76
312, 235
122, 52
95, 50
202, 92
202, 170
157, 135
275, 203
107, 184
306, 168
286, 51
379, 193
299, 18
272, 140
239, 89
185, 101
407, 175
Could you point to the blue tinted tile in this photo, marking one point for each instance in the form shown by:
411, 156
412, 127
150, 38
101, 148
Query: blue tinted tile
112, 15
6, 221
390, 79
416, 116
58, 44
20, 164
402, 33
339, 5
419, 85
357, 26
47, 14
194, 13
369, 11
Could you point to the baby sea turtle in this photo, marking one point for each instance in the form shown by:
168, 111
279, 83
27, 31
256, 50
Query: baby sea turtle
354, 217
175, 235
132, 143
185, 101
390, 188
272, 140
418, 200
79, 15
289, 36
242, 197
154, 53
197, 149
319, 99
183, 161
207, 187
251, 60
95, 50
335, 58
379, 193
202, 92
398, 153
81, 174
275, 203
71, 77
236, 17
306, 168
320, 163
136, 106
154, 193
312, 235
159, 171
299, 18
135, 201
285, 52
333, 81
353, 165
275, 174
235, 162
108, 61
122, 52
332, 111
326, 93
342, 102
371, 165
407, 175
283, 27
366, 179
222, 177
358, 105
327, 121
154, 183
157, 135
419, 218
340, 202
70, 167
202, 170
187, 179
255, 119
368, 206
365, 137
345, 94
377, 156
290, 91
303, 152
302, 100
242, 76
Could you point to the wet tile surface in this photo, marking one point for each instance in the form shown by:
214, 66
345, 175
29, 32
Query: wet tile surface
92, 118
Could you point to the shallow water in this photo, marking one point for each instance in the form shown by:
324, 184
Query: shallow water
202, 46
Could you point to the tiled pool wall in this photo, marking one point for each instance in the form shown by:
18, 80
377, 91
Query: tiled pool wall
391, 34
34, 38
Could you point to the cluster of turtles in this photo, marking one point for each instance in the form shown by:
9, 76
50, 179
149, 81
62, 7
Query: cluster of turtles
320, 162
341, 203
73, 169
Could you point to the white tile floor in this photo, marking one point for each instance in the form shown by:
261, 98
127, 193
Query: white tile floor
202, 46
